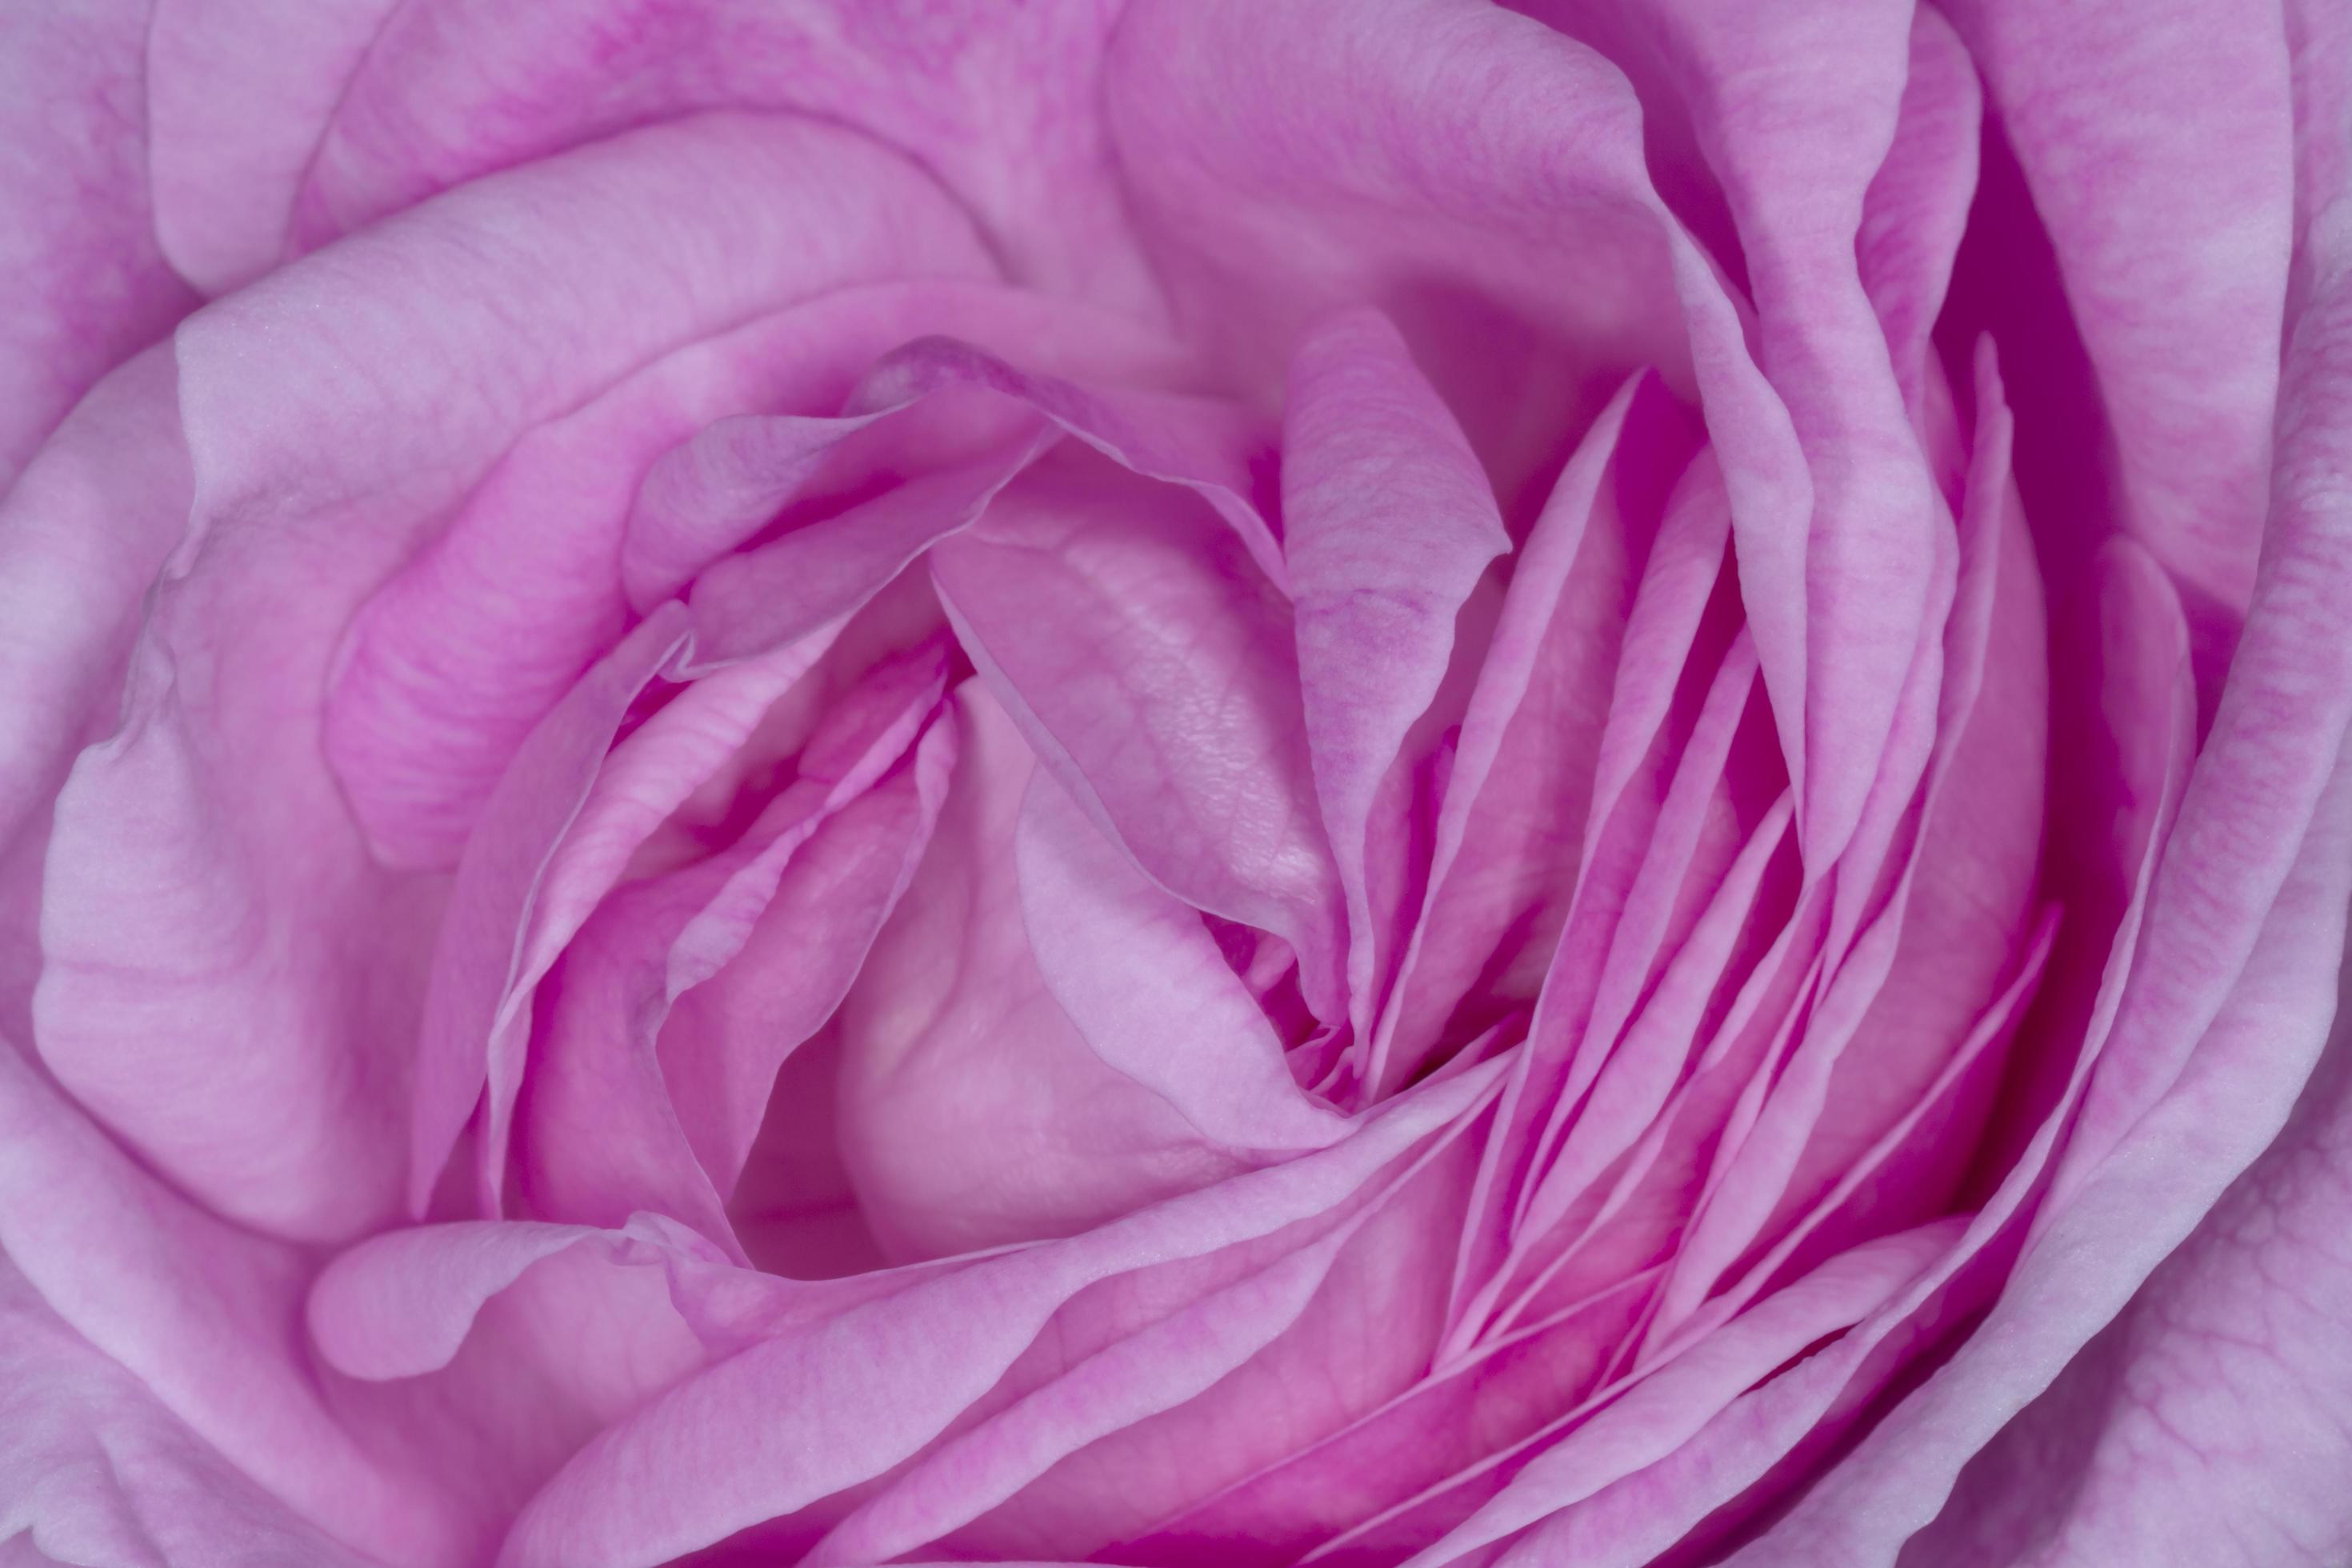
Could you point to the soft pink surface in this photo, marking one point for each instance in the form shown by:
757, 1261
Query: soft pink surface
1174, 782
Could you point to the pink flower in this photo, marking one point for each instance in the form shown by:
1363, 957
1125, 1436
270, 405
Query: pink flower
1183, 782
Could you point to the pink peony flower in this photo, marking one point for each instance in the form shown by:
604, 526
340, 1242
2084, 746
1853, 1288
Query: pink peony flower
1174, 784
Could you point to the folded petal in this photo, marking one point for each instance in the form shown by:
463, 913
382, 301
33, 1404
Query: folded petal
452, 90
81, 536
238, 95
813, 1411
1147, 657
83, 285
96, 1470
1510, 830
203, 1314
2154, 186
2221, 1022
972, 1111
1388, 523
1143, 980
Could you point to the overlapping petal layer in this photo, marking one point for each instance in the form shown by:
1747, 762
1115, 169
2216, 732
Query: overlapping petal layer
1170, 784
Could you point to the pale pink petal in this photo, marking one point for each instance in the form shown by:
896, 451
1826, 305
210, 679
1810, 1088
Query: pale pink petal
479, 634
453, 88
401, 1304
95, 1469
238, 95
794, 962
1952, 930
1147, 657
713, 493
1388, 523
607, 1122
203, 1315
1917, 203
1143, 980
1659, 1413
972, 1111
819, 1409
2221, 1020
1829, 102
1213, 1379
81, 536
83, 285
2158, 147
1471, 174
1510, 830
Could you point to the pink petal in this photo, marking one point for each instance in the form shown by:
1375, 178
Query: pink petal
455, 88
238, 94
606, 1125
203, 1314
2222, 1019
83, 286
1829, 104
82, 534
1918, 201
712, 494
972, 1113
2125, 126
1388, 524
1143, 980
1252, 1365
401, 1305
96, 1470
481, 633
1509, 832
811, 1412
1147, 658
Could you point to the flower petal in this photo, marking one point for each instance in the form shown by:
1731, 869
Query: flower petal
2159, 150
83, 286
1388, 523
1147, 658
95, 1469
1142, 977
